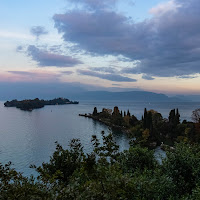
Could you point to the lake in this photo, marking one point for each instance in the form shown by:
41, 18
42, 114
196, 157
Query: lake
29, 137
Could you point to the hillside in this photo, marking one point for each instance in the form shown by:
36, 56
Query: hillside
126, 96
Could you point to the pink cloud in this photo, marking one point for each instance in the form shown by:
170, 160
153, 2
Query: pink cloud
29, 76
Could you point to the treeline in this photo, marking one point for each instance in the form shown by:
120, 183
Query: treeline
153, 129
107, 174
31, 104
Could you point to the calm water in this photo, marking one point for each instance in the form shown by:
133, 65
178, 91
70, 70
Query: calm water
29, 137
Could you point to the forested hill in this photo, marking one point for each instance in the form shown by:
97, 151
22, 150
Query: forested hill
30, 104
140, 96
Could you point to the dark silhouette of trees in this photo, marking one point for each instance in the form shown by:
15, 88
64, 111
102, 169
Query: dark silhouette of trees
106, 173
196, 115
95, 111
31, 104
152, 128
147, 119
117, 118
133, 120
174, 120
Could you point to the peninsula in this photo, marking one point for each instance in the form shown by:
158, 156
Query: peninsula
30, 104
152, 129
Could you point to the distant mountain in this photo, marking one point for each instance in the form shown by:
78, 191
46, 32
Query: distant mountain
194, 98
126, 96
77, 91
20, 91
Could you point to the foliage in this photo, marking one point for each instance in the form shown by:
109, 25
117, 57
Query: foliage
107, 174
183, 166
95, 111
196, 115
14, 185
62, 164
30, 104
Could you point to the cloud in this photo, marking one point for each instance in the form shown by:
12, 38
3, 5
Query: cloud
44, 58
33, 76
100, 32
103, 69
38, 31
56, 49
165, 7
188, 77
110, 77
19, 48
26, 73
67, 72
167, 45
146, 77
115, 84
95, 4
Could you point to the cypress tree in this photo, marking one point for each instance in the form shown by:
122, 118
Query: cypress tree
145, 119
172, 115
177, 117
149, 120
95, 111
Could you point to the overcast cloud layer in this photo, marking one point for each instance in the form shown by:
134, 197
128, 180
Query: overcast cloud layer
166, 45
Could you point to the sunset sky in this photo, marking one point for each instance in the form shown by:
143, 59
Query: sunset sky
150, 45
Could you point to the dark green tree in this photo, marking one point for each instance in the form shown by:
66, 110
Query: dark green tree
133, 120
172, 115
95, 111
145, 119
177, 117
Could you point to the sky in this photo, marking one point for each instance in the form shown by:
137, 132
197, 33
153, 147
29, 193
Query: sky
114, 45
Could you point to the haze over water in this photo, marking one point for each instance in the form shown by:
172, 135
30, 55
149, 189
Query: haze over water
29, 137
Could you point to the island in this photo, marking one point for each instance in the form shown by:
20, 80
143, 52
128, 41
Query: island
30, 104
152, 129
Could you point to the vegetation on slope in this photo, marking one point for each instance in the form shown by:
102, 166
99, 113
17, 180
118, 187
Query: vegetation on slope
30, 104
107, 174
152, 130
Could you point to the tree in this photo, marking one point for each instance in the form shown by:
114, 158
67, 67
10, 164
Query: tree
145, 135
107, 173
116, 111
145, 119
196, 115
172, 116
133, 120
177, 117
95, 111
174, 120
183, 166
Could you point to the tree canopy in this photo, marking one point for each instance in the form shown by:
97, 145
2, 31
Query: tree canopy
107, 174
